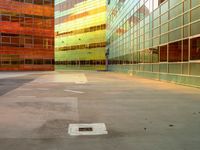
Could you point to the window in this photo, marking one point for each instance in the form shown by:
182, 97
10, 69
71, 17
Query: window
15, 40
185, 50
5, 18
14, 18
195, 28
28, 61
195, 49
155, 54
163, 53
28, 22
28, 1
39, 2
47, 61
48, 2
38, 61
175, 50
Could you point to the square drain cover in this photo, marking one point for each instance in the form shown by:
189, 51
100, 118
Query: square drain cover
87, 129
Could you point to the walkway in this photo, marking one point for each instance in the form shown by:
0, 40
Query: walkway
140, 114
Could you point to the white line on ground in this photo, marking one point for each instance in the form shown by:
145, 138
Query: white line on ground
79, 92
27, 96
43, 89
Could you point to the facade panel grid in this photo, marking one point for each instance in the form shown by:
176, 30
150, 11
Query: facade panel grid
80, 30
164, 36
26, 35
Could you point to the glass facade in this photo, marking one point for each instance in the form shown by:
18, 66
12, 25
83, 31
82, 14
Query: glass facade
155, 38
26, 34
80, 29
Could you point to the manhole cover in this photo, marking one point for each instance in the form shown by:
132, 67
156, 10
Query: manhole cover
87, 129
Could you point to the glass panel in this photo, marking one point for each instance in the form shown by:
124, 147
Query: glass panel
164, 18
147, 67
176, 11
156, 13
174, 2
195, 14
163, 68
195, 49
156, 32
175, 68
148, 56
186, 5
195, 3
186, 31
155, 54
185, 50
155, 67
163, 53
164, 7
186, 18
156, 41
175, 23
185, 68
175, 35
175, 51
164, 38
164, 28
194, 68
156, 22
195, 28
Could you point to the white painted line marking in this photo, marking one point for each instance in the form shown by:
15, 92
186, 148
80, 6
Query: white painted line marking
79, 92
43, 89
27, 96
97, 129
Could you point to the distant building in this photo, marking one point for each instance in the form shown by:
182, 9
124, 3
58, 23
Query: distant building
80, 29
157, 39
26, 34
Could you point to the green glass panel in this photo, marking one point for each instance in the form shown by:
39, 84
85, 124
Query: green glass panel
175, 68
195, 3
175, 23
194, 69
176, 11
175, 35
195, 28
195, 14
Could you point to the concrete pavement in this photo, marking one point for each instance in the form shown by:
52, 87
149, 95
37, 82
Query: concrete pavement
140, 114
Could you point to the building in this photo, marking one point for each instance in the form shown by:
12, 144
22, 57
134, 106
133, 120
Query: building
26, 34
158, 39
80, 30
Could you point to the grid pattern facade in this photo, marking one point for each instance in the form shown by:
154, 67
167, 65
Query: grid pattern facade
155, 38
80, 30
26, 34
